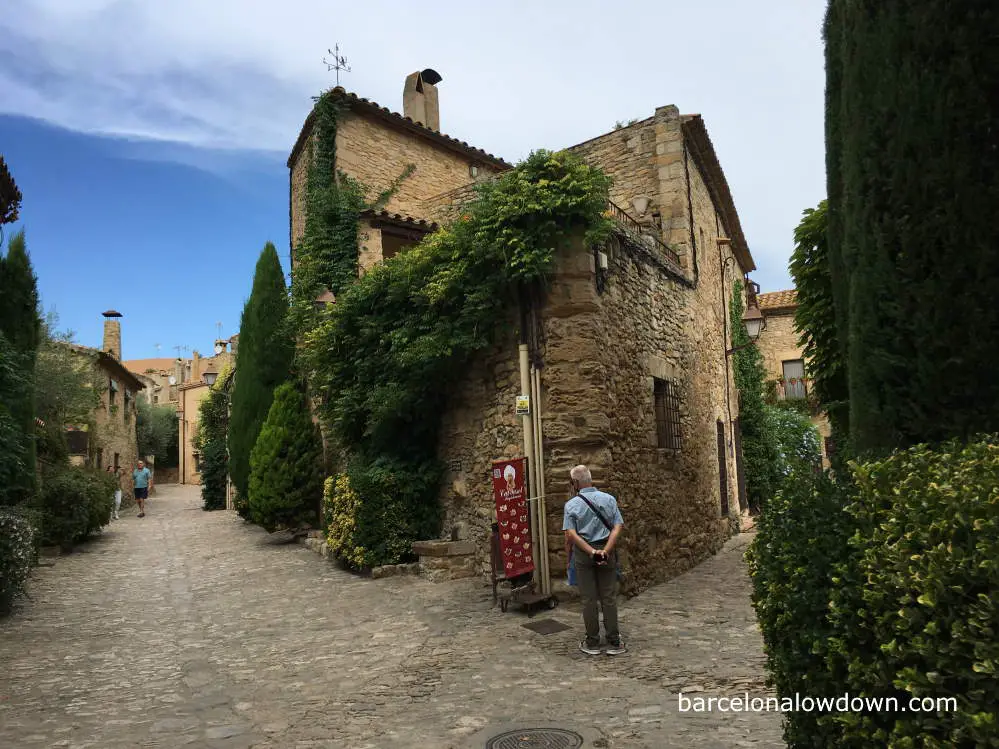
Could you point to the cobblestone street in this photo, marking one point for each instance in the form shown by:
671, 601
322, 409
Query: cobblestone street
185, 628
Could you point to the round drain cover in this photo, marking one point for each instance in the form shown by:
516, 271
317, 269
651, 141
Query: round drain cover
536, 738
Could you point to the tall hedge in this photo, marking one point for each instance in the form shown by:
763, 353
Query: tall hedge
286, 465
911, 127
20, 324
263, 361
213, 418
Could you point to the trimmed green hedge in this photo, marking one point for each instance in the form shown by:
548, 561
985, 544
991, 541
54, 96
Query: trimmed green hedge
886, 585
75, 503
17, 556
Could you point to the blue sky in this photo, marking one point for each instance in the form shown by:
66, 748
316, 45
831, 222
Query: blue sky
149, 136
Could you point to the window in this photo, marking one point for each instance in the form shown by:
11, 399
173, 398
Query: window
667, 409
117, 456
197, 462
794, 379
128, 406
112, 392
722, 467
156, 399
77, 441
393, 244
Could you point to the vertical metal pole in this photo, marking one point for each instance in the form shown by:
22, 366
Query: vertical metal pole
540, 482
525, 389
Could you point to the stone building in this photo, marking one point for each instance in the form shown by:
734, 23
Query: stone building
629, 345
202, 374
113, 441
163, 376
784, 358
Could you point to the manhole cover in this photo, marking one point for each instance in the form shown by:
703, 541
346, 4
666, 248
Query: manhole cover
546, 626
536, 738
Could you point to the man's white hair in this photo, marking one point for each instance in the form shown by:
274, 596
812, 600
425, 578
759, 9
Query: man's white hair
509, 472
581, 474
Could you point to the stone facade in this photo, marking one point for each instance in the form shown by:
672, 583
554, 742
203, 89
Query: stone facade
156, 374
779, 342
611, 341
190, 395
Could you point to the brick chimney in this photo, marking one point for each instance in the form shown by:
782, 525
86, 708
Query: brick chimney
419, 98
112, 334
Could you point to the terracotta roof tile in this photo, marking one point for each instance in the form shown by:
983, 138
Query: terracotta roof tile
139, 366
416, 223
365, 105
778, 299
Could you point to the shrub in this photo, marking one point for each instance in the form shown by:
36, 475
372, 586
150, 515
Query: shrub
214, 470
376, 510
17, 555
803, 533
918, 615
286, 465
75, 502
796, 438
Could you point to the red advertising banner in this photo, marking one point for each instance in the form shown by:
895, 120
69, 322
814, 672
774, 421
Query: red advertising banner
513, 516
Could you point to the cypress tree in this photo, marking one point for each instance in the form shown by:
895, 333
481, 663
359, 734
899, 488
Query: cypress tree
263, 361
20, 325
911, 127
286, 475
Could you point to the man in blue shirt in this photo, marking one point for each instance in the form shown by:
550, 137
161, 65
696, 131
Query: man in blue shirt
142, 479
592, 522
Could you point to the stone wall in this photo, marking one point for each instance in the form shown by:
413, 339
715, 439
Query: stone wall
115, 429
376, 153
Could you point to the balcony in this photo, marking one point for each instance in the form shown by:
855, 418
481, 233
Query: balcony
792, 388
641, 233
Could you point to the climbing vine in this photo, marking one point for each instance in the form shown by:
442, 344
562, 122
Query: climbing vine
383, 359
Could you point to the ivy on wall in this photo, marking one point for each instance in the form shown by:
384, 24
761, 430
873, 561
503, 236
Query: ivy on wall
382, 360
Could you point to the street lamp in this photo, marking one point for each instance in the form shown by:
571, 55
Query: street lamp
209, 376
754, 321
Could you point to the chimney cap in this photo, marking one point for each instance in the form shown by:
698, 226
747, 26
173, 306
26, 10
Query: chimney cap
112, 313
431, 76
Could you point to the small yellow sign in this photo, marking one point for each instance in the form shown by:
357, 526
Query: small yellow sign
523, 405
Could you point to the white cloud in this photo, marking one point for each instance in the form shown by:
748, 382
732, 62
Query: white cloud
517, 75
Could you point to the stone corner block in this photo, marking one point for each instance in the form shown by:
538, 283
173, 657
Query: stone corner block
443, 548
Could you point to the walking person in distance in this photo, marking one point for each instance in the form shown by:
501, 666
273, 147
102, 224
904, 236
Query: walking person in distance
593, 522
143, 480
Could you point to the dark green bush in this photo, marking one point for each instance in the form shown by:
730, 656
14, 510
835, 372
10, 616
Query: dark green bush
918, 616
803, 533
213, 475
75, 502
17, 555
286, 465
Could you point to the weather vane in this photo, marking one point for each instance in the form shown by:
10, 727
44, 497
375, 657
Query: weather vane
339, 62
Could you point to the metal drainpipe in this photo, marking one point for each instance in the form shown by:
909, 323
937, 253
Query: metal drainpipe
724, 301
525, 388
540, 482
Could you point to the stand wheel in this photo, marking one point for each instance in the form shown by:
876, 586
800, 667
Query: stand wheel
553, 602
503, 604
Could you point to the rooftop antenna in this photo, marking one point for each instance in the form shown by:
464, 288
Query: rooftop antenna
218, 327
339, 62
178, 349
158, 347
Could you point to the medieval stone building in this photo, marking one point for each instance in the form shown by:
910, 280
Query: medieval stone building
629, 344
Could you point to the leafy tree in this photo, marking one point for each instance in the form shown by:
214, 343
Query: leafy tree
815, 317
67, 391
10, 196
263, 361
911, 122
12, 436
20, 324
286, 478
157, 431
759, 449
210, 439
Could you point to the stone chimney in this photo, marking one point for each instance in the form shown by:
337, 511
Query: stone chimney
419, 98
112, 334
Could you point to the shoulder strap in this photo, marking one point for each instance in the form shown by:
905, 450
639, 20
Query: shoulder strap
597, 511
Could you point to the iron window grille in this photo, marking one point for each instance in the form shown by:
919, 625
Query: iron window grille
667, 410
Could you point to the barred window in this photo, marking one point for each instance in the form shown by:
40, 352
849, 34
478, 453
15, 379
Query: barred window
667, 409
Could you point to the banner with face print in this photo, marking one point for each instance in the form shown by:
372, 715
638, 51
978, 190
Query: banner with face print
513, 516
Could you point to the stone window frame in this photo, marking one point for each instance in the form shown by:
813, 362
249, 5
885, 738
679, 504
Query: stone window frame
666, 412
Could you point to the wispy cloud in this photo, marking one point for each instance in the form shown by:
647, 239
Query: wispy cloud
232, 74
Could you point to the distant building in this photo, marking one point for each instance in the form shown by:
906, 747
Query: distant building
784, 358
163, 376
113, 441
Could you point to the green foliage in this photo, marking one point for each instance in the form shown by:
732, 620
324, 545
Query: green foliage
375, 511
815, 316
75, 502
796, 439
263, 361
210, 440
10, 196
759, 449
917, 615
801, 537
911, 119
383, 359
286, 478
68, 389
13, 471
20, 324
17, 556
157, 430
